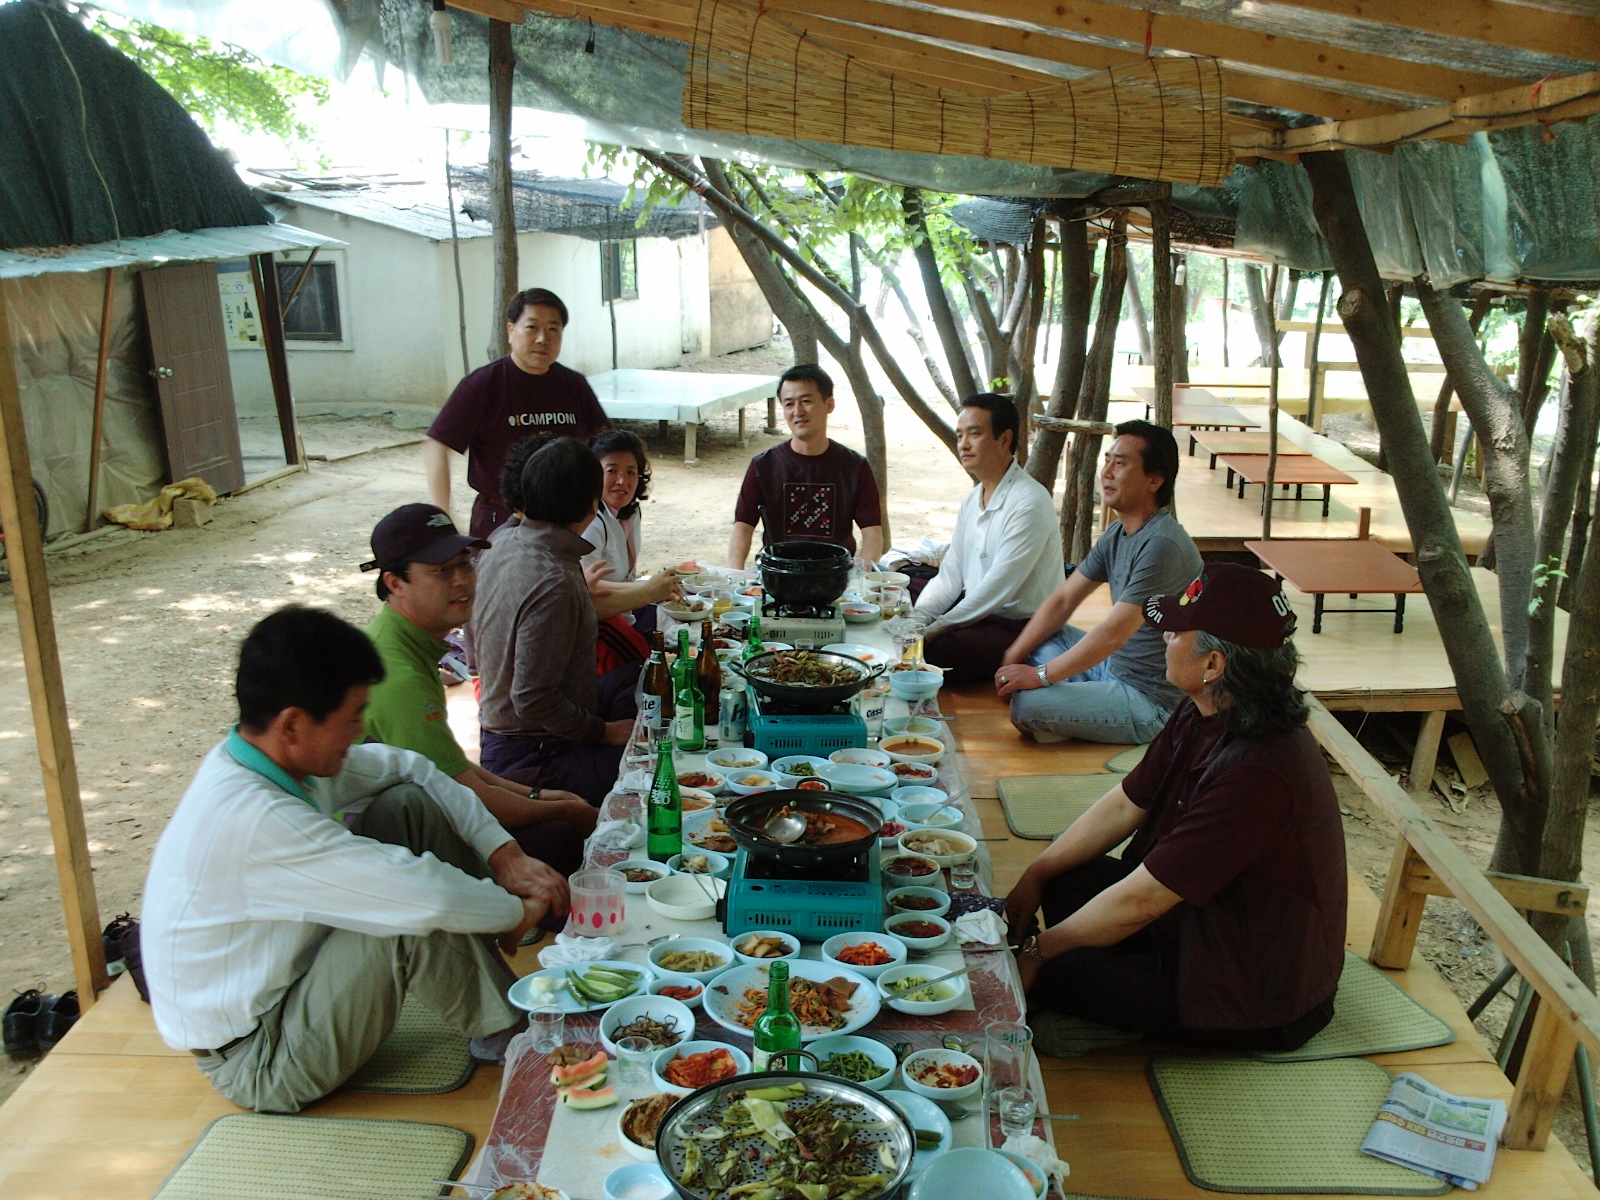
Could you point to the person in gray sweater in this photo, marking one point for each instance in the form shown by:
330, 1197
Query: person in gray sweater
547, 719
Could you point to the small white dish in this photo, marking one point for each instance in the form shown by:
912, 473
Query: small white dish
888, 942
658, 1067
713, 946
929, 1064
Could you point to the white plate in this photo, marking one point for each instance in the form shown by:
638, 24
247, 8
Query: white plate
924, 1114
723, 1004
870, 655
566, 999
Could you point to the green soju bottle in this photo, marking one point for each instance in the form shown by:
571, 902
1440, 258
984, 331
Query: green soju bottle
664, 816
752, 641
777, 1030
690, 708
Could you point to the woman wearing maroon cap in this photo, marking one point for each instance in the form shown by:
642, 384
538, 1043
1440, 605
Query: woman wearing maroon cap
1222, 922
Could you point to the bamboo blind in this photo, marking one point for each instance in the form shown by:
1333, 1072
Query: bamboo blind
749, 72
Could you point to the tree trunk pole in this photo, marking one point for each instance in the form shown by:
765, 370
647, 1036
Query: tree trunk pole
1474, 659
1161, 302
1077, 296
503, 216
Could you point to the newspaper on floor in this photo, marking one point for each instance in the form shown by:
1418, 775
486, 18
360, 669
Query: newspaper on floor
1429, 1130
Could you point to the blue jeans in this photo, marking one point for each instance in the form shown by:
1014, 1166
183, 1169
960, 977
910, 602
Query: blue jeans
1094, 706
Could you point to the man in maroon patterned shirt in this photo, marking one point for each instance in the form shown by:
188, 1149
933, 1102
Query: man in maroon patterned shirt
809, 488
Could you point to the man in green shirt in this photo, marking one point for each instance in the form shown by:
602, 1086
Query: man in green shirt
427, 583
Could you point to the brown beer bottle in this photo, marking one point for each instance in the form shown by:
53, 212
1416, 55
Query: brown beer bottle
656, 703
708, 678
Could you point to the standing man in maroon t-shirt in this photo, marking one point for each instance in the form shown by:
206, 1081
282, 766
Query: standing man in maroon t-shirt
808, 488
497, 406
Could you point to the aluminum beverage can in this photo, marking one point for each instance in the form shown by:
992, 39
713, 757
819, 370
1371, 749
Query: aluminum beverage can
731, 725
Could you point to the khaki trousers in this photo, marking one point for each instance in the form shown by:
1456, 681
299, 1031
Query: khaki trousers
335, 1016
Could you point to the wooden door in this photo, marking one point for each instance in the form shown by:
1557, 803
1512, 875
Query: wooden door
189, 360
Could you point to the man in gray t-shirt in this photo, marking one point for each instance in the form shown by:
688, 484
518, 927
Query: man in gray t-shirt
1109, 683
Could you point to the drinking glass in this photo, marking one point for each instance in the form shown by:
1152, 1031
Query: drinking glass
1007, 1052
634, 1055
547, 1028
963, 875
1017, 1108
597, 901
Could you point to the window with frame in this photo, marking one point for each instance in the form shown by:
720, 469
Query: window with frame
619, 271
310, 293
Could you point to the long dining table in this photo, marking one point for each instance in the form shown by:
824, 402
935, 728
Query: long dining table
535, 1138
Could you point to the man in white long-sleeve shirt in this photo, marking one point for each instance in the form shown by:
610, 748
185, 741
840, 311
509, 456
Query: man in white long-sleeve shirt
1005, 555
305, 885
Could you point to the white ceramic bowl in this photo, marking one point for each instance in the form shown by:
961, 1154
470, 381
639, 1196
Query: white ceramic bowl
841, 941
683, 1050
928, 873
938, 910
682, 898
919, 793
896, 925
871, 1047
701, 780
720, 864
688, 609
661, 871
926, 1061
907, 748
913, 774
930, 814
789, 940
915, 685
972, 1171
950, 995
922, 726
661, 982
747, 782
637, 1181
859, 612
781, 766
856, 780
958, 845
673, 1013
714, 946
730, 760
860, 756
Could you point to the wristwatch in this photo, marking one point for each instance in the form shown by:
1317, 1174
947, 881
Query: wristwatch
1044, 676
1030, 946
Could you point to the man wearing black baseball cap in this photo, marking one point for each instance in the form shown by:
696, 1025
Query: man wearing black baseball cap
427, 582
1222, 923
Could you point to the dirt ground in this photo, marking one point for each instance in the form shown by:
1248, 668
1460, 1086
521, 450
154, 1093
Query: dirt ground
149, 625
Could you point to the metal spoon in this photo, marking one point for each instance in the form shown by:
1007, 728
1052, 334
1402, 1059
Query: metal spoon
784, 828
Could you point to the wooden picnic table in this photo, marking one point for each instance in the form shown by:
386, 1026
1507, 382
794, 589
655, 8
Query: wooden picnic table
692, 397
1293, 470
1321, 567
1227, 441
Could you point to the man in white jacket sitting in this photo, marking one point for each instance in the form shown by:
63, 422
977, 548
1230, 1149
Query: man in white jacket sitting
1004, 559
305, 884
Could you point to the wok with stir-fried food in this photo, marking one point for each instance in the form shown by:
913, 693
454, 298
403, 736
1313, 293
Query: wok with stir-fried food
786, 1137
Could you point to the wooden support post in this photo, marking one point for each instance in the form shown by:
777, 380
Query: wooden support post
1546, 1063
98, 425
269, 304
1427, 751
1400, 917
42, 663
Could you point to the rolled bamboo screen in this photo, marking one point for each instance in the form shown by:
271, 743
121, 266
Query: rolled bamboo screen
749, 72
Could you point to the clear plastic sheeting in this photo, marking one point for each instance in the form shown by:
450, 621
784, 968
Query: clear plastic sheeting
1505, 205
1553, 198
55, 332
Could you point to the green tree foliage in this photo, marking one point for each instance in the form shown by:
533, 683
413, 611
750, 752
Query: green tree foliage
222, 86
